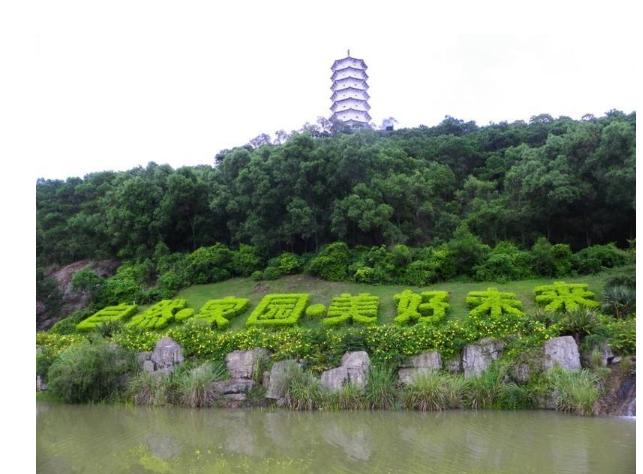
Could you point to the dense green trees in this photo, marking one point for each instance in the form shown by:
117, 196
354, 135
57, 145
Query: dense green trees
570, 181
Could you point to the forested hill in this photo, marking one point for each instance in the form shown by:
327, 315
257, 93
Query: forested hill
572, 181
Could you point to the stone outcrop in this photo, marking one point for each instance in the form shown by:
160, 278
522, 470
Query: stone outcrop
167, 354
275, 380
71, 300
562, 352
476, 358
421, 364
353, 370
244, 364
243, 367
454, 365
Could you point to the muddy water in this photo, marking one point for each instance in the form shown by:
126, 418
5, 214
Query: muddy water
122, 439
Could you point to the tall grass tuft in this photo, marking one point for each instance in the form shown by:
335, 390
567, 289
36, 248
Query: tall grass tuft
433, 392
145, 388
194, 384
349, 397
380, 389
574, 392
304, 391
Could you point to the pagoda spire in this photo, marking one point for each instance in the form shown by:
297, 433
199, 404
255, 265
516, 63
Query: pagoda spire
350, 96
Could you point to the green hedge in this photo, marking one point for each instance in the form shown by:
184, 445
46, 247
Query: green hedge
159, 315
316, 311
561, 296
346, 308
109, 314
426, 307
219, 311
493, 303
279, 310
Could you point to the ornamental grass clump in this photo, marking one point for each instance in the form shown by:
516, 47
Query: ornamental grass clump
194, 384
304, 390
574, 392
433, 392
349, 397
380, 391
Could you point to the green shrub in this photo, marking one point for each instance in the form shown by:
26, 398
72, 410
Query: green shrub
574, 392
278, 310
125, 286
626, 280
578, 323
427, 307
257, 275
246, 260
90, 372
493, 303
109, 314
598, 257
365, 275
347, 308
551, 260
288, 263
620, 334
332, 262
87, 281
561, 296
271, 273
210, 264
467, 250
159, 315
619, 301
505, 262
316, 311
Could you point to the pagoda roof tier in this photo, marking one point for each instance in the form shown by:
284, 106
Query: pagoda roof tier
359, 73
351, 89
339, 61
354, 111
337, 85
339, 102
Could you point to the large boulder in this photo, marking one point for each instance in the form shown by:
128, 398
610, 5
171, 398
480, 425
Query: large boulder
421, 364
167, 354
244, 364
354, 370
275, 380
562, 352
477, 357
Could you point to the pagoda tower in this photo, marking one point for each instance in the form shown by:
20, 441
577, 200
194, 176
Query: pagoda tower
350, 99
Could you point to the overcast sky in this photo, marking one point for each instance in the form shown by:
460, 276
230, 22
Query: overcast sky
113, 85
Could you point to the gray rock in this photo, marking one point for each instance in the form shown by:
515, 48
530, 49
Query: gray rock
406, 375
40, 385
237, 397
354, 370
278, 377
242, 364
421, 364
143, 356
166, 355
232, 386
334, 379
148, 366
477, 357
429, 360
563, 352
454, 365
521, 373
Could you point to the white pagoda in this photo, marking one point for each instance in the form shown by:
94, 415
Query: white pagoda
350, 99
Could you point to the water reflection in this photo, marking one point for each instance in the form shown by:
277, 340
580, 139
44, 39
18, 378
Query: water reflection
129, 439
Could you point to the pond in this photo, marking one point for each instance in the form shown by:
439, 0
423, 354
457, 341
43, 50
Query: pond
126, 439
